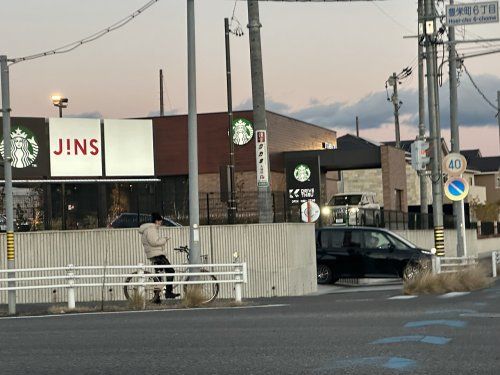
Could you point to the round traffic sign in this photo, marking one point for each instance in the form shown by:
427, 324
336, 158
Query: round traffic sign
456, 188
309, 212
454, 164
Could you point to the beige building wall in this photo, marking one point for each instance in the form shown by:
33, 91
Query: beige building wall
489, 182
364, 180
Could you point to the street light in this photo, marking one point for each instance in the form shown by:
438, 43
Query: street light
59, 102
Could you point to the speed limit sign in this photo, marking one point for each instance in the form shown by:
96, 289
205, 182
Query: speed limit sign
454, 164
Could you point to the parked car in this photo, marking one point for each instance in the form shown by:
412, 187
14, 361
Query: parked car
352, 209
134, 220
366, 252
3, 223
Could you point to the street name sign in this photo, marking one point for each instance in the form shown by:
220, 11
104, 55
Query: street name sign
472, 13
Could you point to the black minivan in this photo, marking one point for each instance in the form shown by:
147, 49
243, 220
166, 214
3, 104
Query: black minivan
360, 252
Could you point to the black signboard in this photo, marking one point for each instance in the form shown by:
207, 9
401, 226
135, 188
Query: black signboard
30, 148
302, 179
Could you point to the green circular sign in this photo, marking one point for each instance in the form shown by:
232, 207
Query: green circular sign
242, 131
302, 172
24, 147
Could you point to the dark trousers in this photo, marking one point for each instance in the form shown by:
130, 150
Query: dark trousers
161, 260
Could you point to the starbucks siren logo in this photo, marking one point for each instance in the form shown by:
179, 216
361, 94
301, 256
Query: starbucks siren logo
24, 148
302, 173
242, 131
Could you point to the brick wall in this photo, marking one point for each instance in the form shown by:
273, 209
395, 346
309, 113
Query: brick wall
394, 177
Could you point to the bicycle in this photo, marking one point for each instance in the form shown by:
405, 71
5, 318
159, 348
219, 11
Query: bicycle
209, 291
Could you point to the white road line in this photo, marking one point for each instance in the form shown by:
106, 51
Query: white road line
75, 314
403, 297
453, 294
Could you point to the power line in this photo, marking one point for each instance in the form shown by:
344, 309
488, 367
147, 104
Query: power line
391, 17
479, 90
72, 46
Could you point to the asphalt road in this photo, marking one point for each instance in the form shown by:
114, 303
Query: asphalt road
374, 332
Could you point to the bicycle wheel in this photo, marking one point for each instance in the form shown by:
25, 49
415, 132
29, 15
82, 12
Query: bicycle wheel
208, 291
150, 291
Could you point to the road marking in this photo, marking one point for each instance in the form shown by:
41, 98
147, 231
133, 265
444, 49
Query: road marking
403, 297
435, 340
481, 315
445, 322
396, 363
453, 294
446, 311
75, 314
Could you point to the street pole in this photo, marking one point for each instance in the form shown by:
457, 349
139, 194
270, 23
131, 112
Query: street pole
395, 100
63, 190
259, 108
435, 131
424, 201
458, 206
498, 118
357, 126
162, 109
194, 204
9, 203
231, 207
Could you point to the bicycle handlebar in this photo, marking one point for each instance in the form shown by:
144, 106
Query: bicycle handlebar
182, 249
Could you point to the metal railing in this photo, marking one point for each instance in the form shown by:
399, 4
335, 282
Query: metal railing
495, 261
72, 277
452, 264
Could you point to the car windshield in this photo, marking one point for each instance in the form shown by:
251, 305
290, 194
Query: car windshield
342, 200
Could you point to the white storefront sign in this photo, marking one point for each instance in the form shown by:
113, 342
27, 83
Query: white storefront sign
471, 14
75, 147
128, 147
262, 158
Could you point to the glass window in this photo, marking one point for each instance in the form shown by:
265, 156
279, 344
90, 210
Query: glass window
400, 245
332, 238
342, 200
374, 240
353, 239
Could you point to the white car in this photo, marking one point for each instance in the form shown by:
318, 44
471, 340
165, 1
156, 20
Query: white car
3, 223
352, 209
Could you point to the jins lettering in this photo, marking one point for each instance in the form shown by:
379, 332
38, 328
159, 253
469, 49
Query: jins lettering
77, 146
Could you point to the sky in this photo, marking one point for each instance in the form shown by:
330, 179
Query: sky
324, 63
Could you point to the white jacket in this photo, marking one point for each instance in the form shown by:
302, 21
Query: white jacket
154, 245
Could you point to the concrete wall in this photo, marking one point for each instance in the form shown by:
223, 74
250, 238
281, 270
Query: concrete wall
281, 258
475, 246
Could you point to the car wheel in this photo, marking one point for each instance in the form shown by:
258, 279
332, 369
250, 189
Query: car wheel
325, 274
411, 271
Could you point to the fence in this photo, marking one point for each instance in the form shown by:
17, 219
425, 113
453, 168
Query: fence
72, 277
495, 261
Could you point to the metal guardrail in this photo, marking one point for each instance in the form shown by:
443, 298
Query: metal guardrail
452, 264
495, 260
72, 277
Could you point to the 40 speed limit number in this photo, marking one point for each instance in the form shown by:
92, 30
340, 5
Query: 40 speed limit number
454, 164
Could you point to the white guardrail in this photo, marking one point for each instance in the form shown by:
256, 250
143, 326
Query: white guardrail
495, 260
452, 264
72, 277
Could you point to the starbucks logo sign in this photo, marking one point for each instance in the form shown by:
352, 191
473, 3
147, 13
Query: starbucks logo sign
302, 173
242, 131
24, 148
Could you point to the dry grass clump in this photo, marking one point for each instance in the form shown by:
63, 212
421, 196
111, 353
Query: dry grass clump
468, 279
137, 301
193, 296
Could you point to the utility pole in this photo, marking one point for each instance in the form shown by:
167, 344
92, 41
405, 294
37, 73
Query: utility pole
9, 202
231, 206
393, 81
458, 206
498, 118
259, 112
435, 131
194, 203
424, 201
162, 109
357, 126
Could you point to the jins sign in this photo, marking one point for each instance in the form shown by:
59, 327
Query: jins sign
75, 147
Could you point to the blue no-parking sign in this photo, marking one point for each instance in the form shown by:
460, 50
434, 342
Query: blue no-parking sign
456, 188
